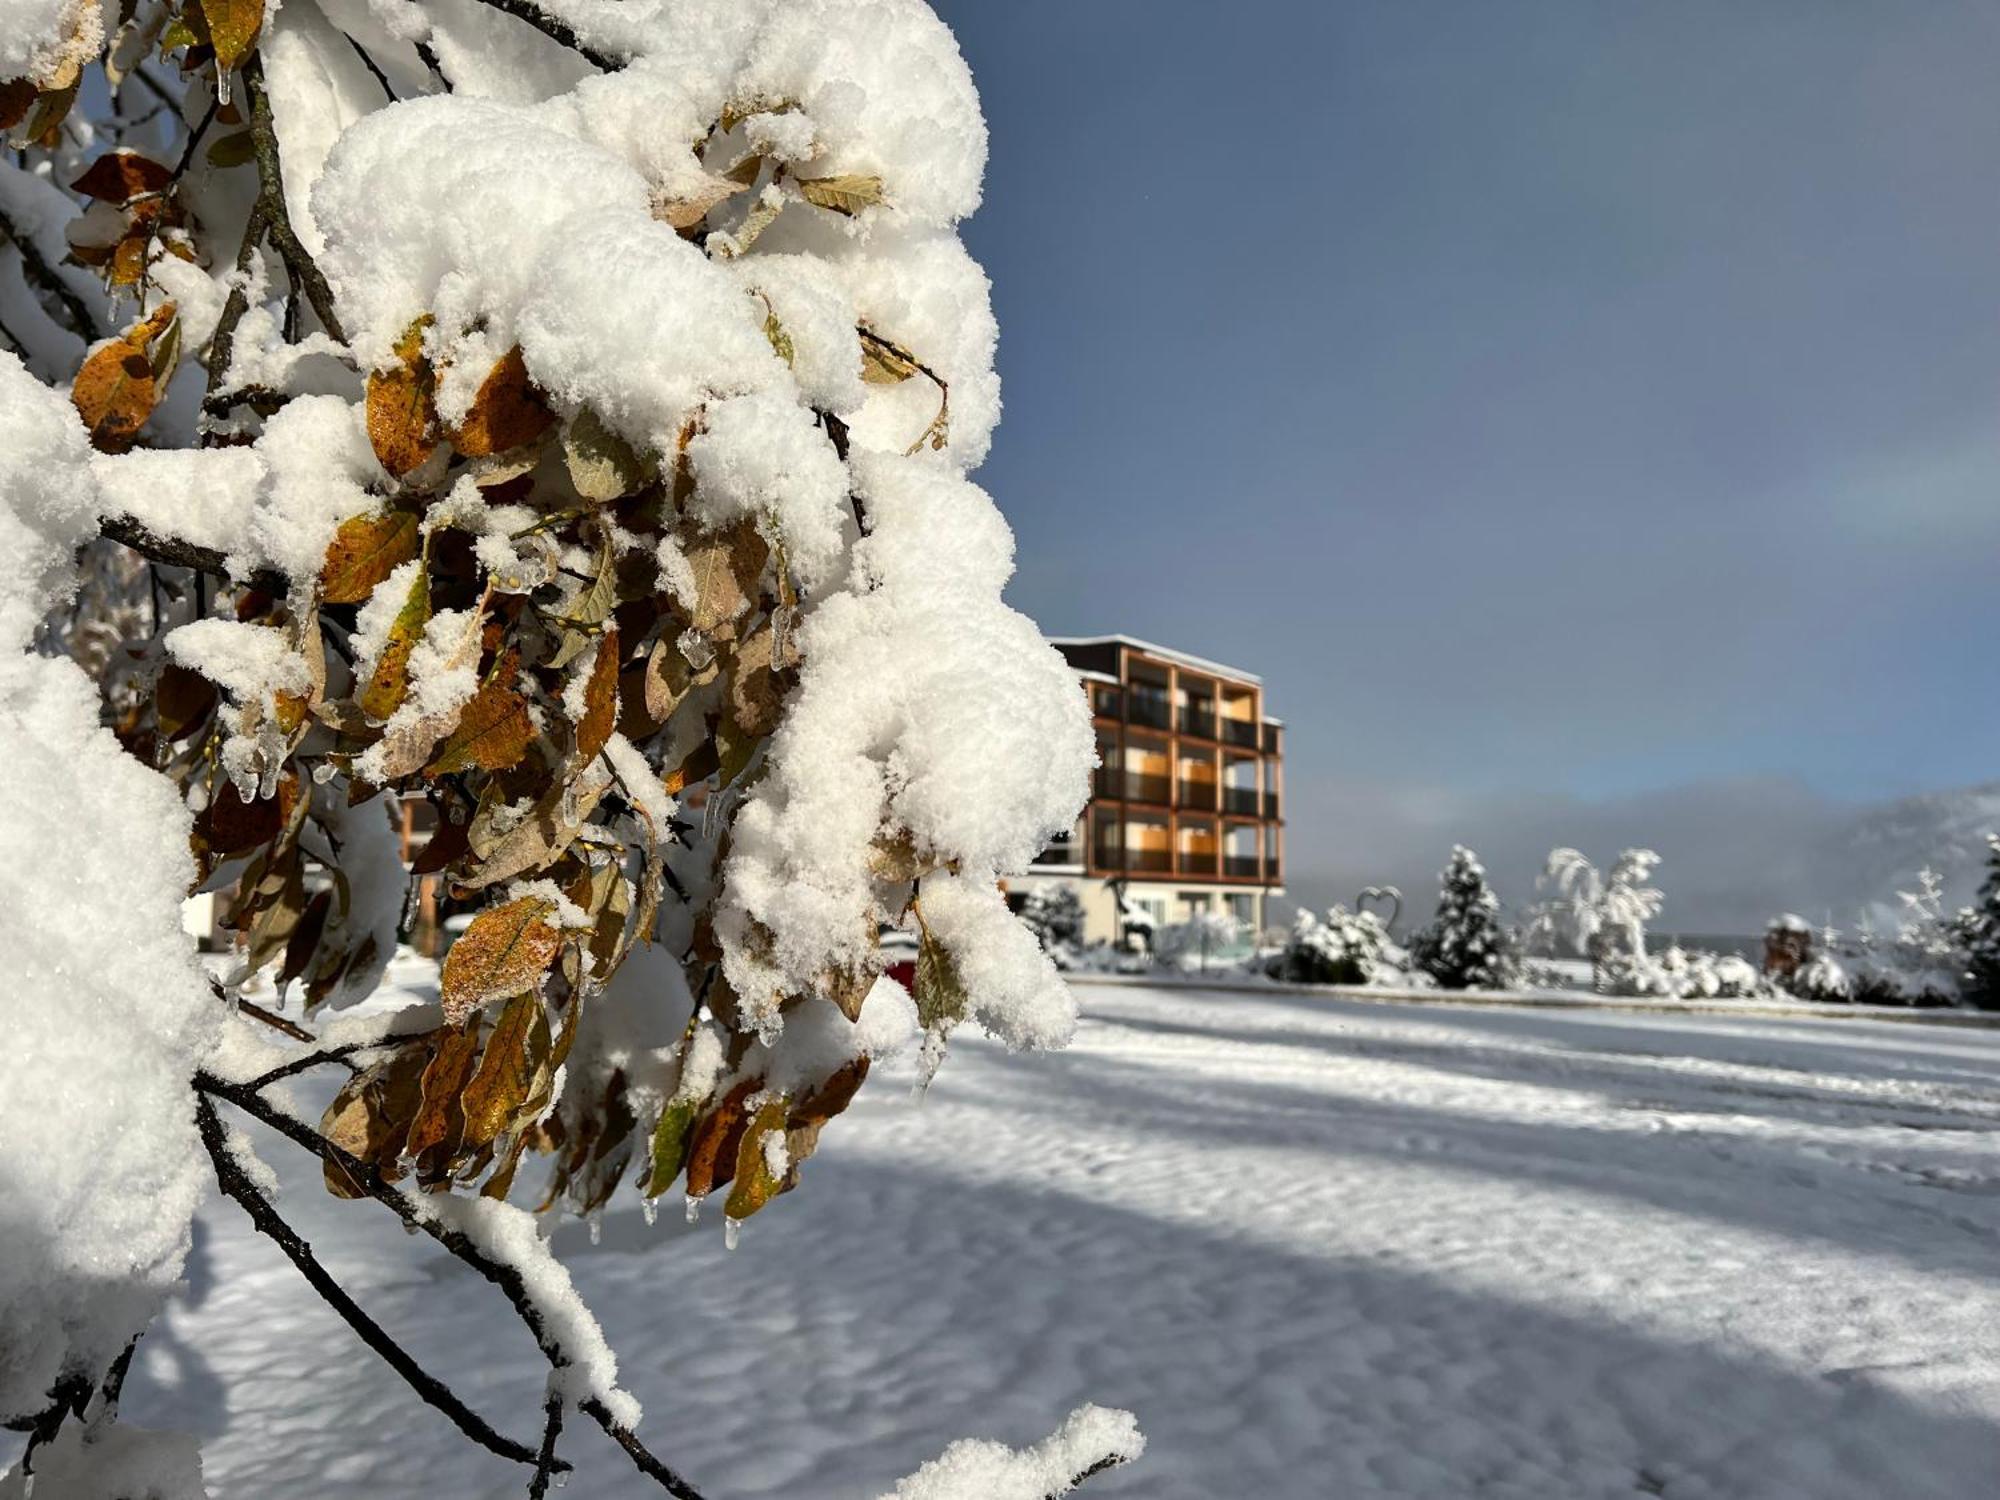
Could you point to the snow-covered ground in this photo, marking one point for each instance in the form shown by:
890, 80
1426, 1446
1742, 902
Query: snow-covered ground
1322, 1248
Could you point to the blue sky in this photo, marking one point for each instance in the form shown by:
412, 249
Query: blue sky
1552, 401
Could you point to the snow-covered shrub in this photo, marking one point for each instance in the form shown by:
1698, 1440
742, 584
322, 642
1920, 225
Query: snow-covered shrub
1602, 918
1346, 948
1680, 974
1821, 978
1466, 945
1055, 915
559, 413
1193, 944
1923, 963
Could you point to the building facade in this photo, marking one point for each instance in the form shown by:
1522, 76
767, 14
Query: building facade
1186, 813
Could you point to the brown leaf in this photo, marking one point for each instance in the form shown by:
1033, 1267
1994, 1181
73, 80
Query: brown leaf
182, 700
847, 988
120, 176
541, 838
756, 695
602, 465
756, 1183
115, 390
711, 1155
304, 941
370, 1117
505, 951
439, 1120
494, 730
391, 677
402, 405
600, 699
446, 844
688, 210
229, 825
230, 27
726, 570
364, 551
506, 413
17, 97
494, 1097
847, 194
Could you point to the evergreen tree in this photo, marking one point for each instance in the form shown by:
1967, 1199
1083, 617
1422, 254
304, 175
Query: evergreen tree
1979, 927
1466, 946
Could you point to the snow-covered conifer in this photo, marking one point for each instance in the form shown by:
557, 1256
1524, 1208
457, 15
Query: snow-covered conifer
1980, 932
1466, 945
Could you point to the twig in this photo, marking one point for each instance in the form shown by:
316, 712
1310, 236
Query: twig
236, 1183
557, 30
313, 1060
1109, 1461
271, 194
370, 64
545, 1461
364, 1176
194, 140
275, 1021
179, 554
44, 276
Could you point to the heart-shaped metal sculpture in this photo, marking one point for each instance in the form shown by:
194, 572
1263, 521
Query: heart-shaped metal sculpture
1386, 893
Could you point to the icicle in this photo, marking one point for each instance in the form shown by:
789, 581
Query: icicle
732, 1231
650, 1207
596, 1223
693, 1208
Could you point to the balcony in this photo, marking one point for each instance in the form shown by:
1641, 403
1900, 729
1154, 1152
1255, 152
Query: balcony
1107, 702
1270, 804
1197, 796
1242, 801
1150, 710
1244, 867
1270, 739
1193, 863
1240, 732
1199, 722
1149, 861
1061, 852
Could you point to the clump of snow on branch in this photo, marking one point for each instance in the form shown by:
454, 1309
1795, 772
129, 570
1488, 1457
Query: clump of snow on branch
106, 1018
1090, 1438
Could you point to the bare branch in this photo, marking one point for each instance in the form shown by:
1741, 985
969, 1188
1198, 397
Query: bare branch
271, 194
179, 554
642, 1459
312, 1060
545, 1461
45, 276
1109, 1461
558, 30
236, 1184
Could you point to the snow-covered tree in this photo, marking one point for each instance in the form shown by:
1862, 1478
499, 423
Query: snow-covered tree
559, 412
1466, 945
1924, 962
1979, 932
1348, 947
1193, 943
1054, 913
1602, 917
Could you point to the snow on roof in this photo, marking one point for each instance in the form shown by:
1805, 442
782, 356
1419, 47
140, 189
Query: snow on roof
1165, 653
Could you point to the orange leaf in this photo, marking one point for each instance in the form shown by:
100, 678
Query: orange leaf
494, 730
756, 1183
366, 550
600, 698
121, 176
115, 390
507, 412
402, 405
439, 1120
711, 1157
506, 1075
503, 953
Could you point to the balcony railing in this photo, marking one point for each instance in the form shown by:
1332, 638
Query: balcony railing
1197, 864
1270, 739
1132, 786
1197, 796
1199, 722
1241, 800
1061, 852
1144, 708
1242, 866
1109, 704
1240, 732
1270, 804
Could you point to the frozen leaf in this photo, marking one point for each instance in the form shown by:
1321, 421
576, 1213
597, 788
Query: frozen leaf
390, 681
507, 412
494, 730
439, 1120
711, 1155
847, 194
402, 405
504, 952
116, 389
492, 1101
120, 176
670, 1145
601, 464
370, 1117
366, 550
230, 27
940, 992
539, 839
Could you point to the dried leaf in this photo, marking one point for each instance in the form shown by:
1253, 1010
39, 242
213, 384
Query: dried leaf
726, 569
370, 1117
494, 730
756, 1183
687, 211
507, 412
365, 550
439, 1120
711, 1157
402, 405
756, 695
847, 988
17, 97
391, 677
591, 607
781, 341
120, 176
493, 1099
541, 838
304, 941
848, 193
505, 951
601, 464
600, 699
940, 991
115, 390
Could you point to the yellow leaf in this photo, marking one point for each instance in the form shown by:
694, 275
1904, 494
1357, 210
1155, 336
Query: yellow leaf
601, 464
402, 405
230, 27
507, 412
756, 1183
391, 678
439, 1120
492, 1101
503, 953
687, 211
494, 730
364, 551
